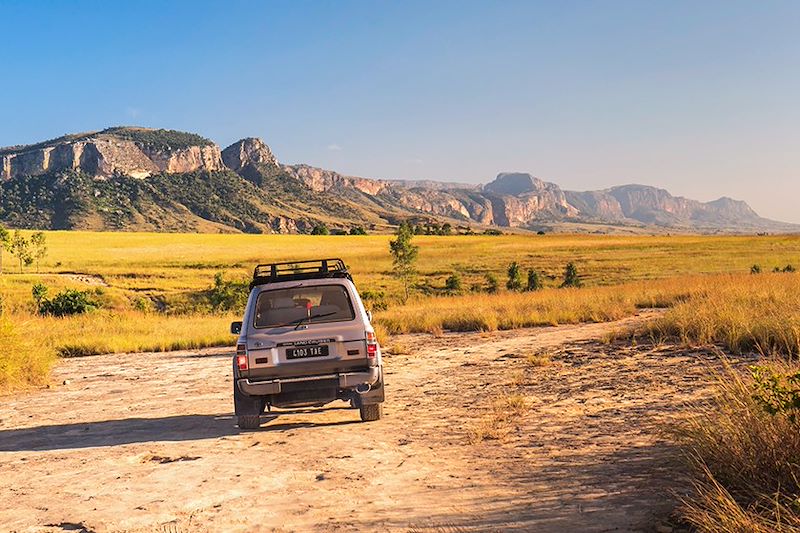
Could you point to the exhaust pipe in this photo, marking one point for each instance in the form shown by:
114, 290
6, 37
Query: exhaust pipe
363, 388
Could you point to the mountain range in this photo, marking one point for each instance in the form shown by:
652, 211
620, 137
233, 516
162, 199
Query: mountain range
140, 179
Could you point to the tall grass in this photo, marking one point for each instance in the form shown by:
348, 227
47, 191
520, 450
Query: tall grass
745, 462
743, 313
113, 331
22, 361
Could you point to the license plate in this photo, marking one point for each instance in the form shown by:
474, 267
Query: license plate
299, 352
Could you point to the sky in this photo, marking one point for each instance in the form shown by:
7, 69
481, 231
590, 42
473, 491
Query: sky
701, 98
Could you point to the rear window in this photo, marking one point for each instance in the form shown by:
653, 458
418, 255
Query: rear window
307, 305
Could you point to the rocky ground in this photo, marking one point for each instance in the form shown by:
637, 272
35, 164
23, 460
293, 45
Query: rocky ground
147, 442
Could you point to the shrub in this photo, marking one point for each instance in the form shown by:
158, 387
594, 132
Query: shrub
358, 230
491, 283
320, 229
228, 295
534, 281
453, 283
755, 269
67, 302
571, 277
788, 269
514, 282
375, 300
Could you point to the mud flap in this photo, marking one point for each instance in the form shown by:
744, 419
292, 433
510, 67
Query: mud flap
375, 395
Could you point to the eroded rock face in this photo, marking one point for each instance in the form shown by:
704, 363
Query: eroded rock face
321, 180
248, 151
104, 157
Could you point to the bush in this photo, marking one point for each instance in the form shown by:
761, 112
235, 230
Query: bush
320, 229
571, 277
534, 281
788, 269
228, 295
68, 302
755, 269
514, 282
358, 230
491, 283
453, 283
375, 300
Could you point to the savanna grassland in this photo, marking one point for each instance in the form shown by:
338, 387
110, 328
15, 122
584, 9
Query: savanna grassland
158, 292
153, 288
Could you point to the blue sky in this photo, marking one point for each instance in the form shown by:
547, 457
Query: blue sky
700, 98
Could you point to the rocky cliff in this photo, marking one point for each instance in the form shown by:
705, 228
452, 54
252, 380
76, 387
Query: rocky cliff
136, 152
138, 178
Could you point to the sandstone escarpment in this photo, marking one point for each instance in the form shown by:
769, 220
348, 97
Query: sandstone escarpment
109, 152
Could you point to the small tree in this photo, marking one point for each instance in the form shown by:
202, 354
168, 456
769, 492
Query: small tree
514, 282
320, 229
571, 277
5, 243
358, 230
788, 268
39, 293
755, 269
21, 248
404, 256
38, 247
534, 281
453, 283
447, 229
491, 283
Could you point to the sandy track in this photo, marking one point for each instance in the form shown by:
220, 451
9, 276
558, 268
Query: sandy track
146, 442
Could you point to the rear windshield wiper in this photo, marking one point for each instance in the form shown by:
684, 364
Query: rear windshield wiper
299, 321
310, 317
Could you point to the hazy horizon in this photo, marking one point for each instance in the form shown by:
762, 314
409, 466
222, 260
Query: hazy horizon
698, 99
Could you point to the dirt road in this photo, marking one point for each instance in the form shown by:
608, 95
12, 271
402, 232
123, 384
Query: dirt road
146, 442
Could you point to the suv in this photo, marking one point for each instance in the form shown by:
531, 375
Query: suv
305, 340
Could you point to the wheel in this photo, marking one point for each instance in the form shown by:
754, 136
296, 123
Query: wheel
371, 412
249, 421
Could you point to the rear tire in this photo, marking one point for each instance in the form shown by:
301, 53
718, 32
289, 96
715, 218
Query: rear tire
249, 421
371, 412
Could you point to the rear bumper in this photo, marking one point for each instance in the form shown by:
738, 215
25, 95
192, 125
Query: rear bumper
347, 380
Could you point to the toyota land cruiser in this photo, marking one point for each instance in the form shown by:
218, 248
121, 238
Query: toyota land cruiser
305, 340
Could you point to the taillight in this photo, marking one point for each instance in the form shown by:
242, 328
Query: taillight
372, 344
241, 356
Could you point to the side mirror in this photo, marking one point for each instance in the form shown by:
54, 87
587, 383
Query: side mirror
236, 327
369, 315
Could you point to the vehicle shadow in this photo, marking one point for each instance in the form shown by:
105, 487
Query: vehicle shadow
136, 430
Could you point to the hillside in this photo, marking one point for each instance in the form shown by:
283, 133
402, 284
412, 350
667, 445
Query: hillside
131, 178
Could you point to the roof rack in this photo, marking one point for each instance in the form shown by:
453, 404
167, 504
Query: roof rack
298, 270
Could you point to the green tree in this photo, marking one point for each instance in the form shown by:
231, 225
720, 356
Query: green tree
514, 282
38, 247
491, 283
39, 293
21, 248
571, 277
447, 229
358, 230
5, 243
534, 281
320, 229
404, 256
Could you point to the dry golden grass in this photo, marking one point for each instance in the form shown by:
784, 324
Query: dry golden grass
22, 361
499, 422
741, 312
744, 461
172, 268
